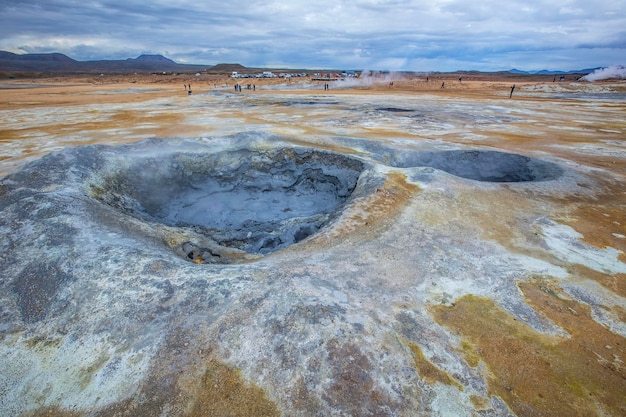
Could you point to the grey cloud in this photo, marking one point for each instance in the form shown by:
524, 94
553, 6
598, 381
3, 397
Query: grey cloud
322, 33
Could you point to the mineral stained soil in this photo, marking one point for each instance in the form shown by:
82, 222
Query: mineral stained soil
364, 251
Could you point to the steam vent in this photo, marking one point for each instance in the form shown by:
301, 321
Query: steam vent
294, 252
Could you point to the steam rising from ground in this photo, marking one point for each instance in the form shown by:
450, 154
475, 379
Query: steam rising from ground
368, 78
615, 71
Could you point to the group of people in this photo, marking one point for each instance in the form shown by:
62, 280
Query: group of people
248, 87
327, 86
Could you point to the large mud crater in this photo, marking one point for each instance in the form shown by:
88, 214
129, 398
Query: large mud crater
255, 201
482, 165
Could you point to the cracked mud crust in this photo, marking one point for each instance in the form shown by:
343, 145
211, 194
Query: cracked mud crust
582, 373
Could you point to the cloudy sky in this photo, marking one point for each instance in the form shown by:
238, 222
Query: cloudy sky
417, 35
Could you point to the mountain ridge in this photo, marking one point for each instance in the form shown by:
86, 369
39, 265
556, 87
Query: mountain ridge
59, 63
553, 72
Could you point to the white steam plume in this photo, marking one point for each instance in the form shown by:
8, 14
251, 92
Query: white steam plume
368, 78
615, 71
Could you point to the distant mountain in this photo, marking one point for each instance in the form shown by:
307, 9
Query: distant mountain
553, 72
228, 67
59, 63
152, 58
548, 72
35, 62
55, 57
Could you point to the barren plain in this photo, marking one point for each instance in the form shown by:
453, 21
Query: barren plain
391, 246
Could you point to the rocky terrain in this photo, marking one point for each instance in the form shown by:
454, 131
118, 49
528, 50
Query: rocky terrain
387, 247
